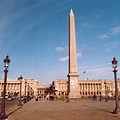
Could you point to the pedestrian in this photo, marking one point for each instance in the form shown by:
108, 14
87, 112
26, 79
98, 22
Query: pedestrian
36, 98
94, 97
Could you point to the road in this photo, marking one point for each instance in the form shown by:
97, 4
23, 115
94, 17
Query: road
60, 110
10, 106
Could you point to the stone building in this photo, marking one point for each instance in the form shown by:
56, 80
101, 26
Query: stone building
42, 90
29, 87
59, 87
87, 87
96, 87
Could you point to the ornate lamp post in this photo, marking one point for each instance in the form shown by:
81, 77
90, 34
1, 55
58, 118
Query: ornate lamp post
25, 92
28, 93
20, 78
6, 65
100, 92
67, 92
106, 92
114, 63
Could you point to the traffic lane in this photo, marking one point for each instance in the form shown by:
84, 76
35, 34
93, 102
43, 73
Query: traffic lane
9, 103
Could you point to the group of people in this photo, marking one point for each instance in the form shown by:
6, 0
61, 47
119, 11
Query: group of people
94, 97
37, 97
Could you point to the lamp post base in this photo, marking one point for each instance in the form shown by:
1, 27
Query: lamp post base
67, 101
106, 100
116, 111
25, 101
3, 116
19, 104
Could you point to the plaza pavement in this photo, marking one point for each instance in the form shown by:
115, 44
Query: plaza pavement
60, 110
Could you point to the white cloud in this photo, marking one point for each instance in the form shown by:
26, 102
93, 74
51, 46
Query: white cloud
98, 15
115, 30
87, 25
111, 32
85, 47
79, 55
61, 49
63, 59
99, 71
101, 65
103, 36
109, 46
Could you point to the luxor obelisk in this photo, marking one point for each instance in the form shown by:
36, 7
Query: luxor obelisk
73, 86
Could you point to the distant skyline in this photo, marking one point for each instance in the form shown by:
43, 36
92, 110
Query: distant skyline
34, 33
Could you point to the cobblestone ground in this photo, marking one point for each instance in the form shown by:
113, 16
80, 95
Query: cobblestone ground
60, 110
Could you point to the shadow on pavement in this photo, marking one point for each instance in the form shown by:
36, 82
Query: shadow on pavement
97, 108
13, 111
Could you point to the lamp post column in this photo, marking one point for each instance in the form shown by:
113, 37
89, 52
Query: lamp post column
114, 62
3, 114
106, 92
25, 92
20, 78
67, 92
100, 86
6, 65
116, 93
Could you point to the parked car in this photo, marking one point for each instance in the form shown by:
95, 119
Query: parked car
1, 97
22, 98
15, 97
6, 96
10, 98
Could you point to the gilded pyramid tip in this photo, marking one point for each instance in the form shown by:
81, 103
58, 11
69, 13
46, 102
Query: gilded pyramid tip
71, 13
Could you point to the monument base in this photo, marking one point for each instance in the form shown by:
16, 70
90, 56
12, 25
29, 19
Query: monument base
74, 92
74, 95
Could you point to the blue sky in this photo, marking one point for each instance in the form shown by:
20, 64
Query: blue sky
34, 33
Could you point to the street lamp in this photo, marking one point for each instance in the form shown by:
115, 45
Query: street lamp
114, 63
100, 91
20, 78
106, 92
25, 92
6, 65
28, 93
67, 92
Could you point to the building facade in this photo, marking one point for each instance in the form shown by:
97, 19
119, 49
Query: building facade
87, 87
28, 87
42, 89
59, 87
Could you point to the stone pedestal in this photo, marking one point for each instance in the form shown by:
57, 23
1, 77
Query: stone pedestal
74, 91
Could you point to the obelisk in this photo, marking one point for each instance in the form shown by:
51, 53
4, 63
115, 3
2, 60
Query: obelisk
73, 86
